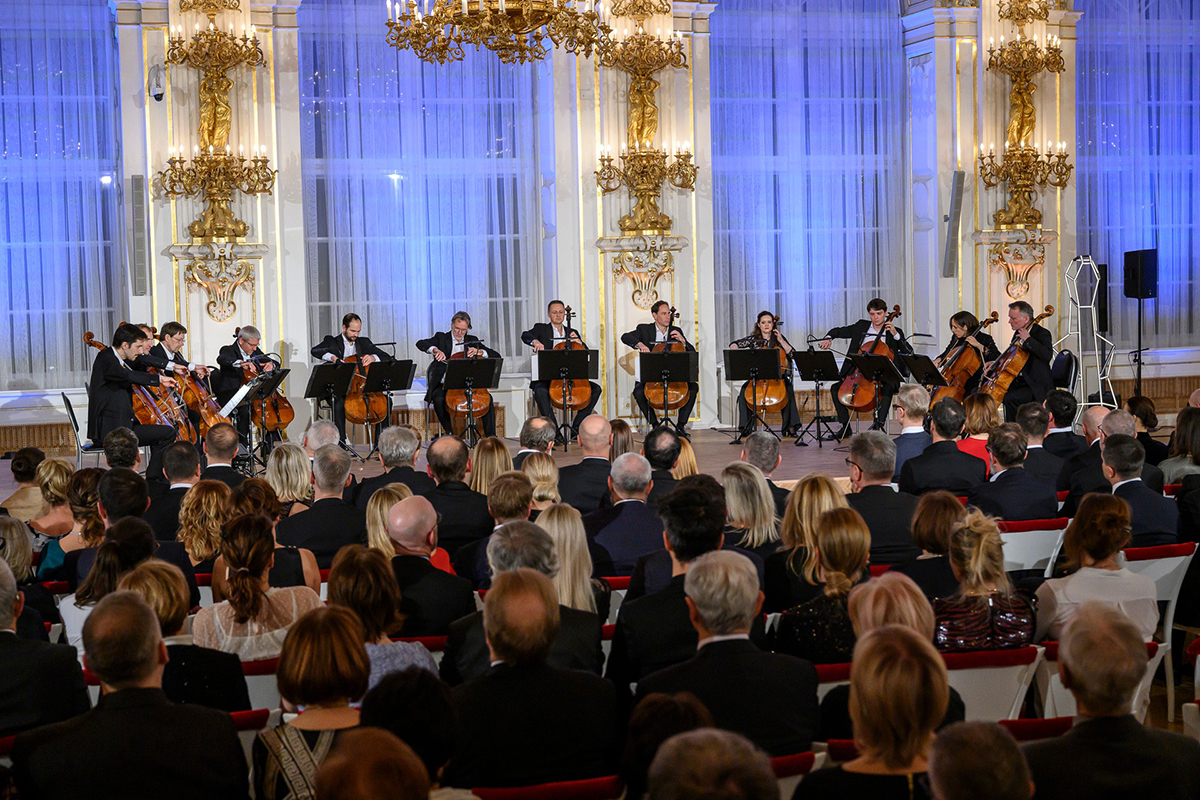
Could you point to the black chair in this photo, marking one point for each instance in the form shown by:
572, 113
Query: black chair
82, 448
1064, 370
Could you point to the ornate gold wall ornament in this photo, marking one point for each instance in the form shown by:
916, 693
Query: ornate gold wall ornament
644, 171
219, 270
643, 269
215, 177
640, 9
1022, 12
215, 52
209, 8
1016, 254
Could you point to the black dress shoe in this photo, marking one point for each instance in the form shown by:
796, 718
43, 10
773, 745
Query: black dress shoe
844, 433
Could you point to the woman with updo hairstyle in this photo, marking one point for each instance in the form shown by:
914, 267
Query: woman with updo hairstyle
820, 630
87, 529
622, 440
378, 507
491, 458
54, 482
983, 414
986, 613
938, 514
202, 514
289, 472
1091, 544
790, 573
542, 472
255, 618
1145, 421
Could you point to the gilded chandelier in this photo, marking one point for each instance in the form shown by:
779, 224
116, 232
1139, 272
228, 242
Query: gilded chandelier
516, 30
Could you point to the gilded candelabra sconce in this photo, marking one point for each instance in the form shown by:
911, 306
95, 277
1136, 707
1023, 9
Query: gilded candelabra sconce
216, 176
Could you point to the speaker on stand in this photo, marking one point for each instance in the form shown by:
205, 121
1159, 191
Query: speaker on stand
1141, 283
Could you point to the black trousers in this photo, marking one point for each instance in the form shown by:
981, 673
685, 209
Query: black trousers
883, 403
438, 399
339, 419
541, 398
1019, 393
791, 415
651, 412
156, 437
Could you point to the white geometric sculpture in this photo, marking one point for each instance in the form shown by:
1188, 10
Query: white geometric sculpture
1101, 351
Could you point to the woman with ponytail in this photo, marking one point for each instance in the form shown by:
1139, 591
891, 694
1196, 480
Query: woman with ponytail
254, 619
820, 630
1091, 544
987, 613
543, 474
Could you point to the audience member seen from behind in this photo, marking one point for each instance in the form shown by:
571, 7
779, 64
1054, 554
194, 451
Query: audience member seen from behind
978, 761
573, 583
790, 573
1145, 423
1185, 447
1108, 753
622, 440
983, 414
1012, 493
54, 480
938, 515
656, 718
887, 513
254, 619
543, 474
83, 496
202, 515
942, 465
26, 502
289, 472
489, 459
750, 508
1092, 543
378, 508
323, 668
986, 613
121, 449
686, 464
362, 580
430, 599
712, 763
1154, 519
331, 523
820, 629
40, 607
193, 674
370, 763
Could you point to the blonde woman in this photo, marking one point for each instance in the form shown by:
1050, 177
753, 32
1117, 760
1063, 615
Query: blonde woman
750, 508
290, 474
378, 507
574, 579
790, 573
202, 514
622, 440
686, 465
491, 457
53, 479
87, 530
543, 474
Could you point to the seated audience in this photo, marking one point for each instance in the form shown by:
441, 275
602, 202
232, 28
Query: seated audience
573, 583
289, 472
1090, 423
17, 551
888, 513
87, 529
943, 466
136, 742
378, 508
1145, 423
1062, 440
661, 447
1108, 753
1012, 493
181, 466
986, 613
938, 514
430, 599
761, 449
254, 619
1154, 518
509, 499
978, 761
193, 674
323, 432
202, 514
898, 697
1092, 545
53, 480
770, 699
656, 718
490, 459
121, 449
362, 581
323, 668
1034, 419
686, 464
543, 475
820, 629
537, 435
710, 763
790, 573
525, 722
331, 523
370, 763
1087, 470
911, 405
398, 448
293, 566
220, 448
25, 502
983, 414
622, 439
628, 529
462, 511
1185, 447
750, 509
584, 486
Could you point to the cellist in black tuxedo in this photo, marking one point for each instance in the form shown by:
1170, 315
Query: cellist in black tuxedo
865, 329
242, 354
1034, 381
546, 336
442, 346
169, 350
338, 348
643, 338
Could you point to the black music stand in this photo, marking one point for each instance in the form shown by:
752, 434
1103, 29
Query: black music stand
818, 367
385, 377
567, 365
922, 369
329, 380
469, 375
879, 370
264, 386
758, 364
669, 368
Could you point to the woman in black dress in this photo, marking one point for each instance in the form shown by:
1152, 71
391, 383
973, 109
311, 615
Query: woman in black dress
1145, 422
937, 515
790, 573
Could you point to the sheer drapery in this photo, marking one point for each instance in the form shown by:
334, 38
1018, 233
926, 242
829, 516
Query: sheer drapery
808, 122
421, 185
60, 204
1138, 73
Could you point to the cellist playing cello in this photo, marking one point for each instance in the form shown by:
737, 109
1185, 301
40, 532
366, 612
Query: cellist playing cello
866, 330
546, 336
1033, 383
643, 338
338, 348
965, 329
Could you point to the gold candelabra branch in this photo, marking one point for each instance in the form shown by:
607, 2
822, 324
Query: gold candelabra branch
1023, 168
640, 9
1022, 12
643, 172
209, 8
216, 176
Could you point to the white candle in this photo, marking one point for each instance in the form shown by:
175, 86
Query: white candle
389, 7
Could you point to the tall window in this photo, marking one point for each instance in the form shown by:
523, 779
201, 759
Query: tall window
61, 249
1138, 134
421, 185
808, 140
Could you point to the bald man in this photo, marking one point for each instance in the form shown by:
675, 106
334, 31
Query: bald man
1089, 476
430, 598
584, 486
1090, 422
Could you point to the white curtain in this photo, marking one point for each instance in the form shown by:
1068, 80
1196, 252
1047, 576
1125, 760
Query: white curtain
61, 243
808, 121
421, 185
1138, 75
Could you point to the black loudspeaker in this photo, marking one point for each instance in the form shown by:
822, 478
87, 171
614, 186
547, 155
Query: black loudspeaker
1102, 298
1141, 274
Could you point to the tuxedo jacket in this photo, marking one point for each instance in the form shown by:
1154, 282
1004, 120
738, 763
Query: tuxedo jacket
430, 598
40, 683
223, 473
780, 496
652, 573
584, 486
229, 379
465, 516
1154, 519
1015, 495
444, 341
909, 445
1088, 477
160, 352
1043, 465
647, 334
857, 334
942, 466
888, 515
544, 332
337, 345
769, 698
622, 534
110, 394
1036, 372
327, 527
419, 482
1064, 444
163, 513
664, 482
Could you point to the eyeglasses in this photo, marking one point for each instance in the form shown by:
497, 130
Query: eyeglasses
851, 463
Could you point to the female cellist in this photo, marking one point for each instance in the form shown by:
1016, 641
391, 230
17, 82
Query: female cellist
965, 329
766, 334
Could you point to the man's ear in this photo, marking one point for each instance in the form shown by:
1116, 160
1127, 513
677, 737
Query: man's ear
147, 508
758, 604
778, 461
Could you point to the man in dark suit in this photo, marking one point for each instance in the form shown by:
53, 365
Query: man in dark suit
1154, 519
584, 486
463, 514
1086, 473
1033, 382
1061, 439
235, 360
911, 405
110, 395
536, 436
331, 523
221, 447
443, 346
1109, 753
576, 643
1034, 419
761, 449
136, 742
350, 344
769, 698
398, 448
1012, 493
661, 447
547, 336
624, 532
943, 466
1090, 423
169, 351
510, 499
40, 682
525, 721
888, 513
430, 599
181, 464
643, 338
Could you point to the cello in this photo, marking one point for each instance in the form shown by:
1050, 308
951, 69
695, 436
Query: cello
200, 399
855, 391
170, 400
272, 414
1008, 366
770, 395
572, 394
961, 365
457, 403
146, 408
676, 394
363, 407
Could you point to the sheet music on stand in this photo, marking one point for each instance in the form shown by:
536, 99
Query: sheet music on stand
239, 396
